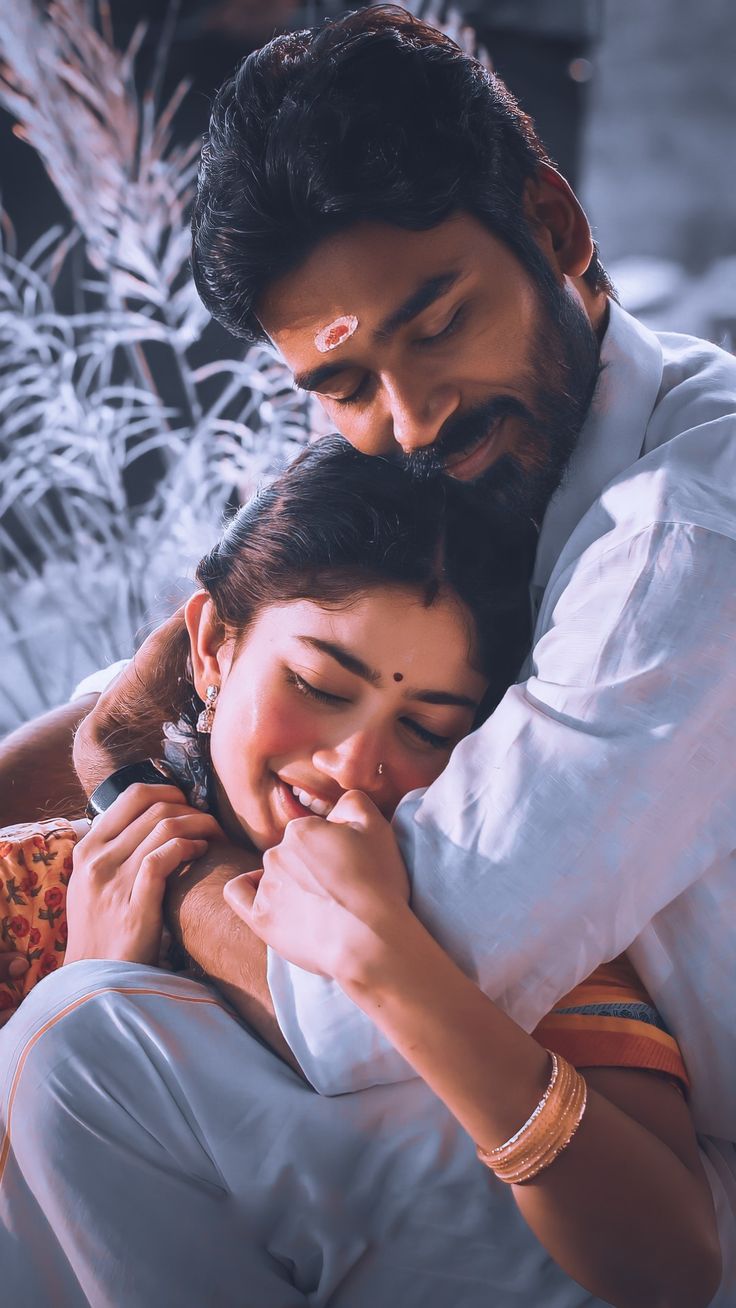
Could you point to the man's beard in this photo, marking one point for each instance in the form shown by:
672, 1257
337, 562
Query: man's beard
564, 370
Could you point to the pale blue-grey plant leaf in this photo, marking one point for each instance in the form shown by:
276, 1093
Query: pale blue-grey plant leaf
119, 458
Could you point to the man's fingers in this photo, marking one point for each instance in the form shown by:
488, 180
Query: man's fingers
240, 893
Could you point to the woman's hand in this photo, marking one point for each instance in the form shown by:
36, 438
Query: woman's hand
331, 895
115, 896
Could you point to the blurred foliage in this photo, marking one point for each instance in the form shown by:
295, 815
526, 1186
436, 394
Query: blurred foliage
124, 438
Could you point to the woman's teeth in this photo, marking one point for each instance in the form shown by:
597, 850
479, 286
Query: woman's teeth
319, 806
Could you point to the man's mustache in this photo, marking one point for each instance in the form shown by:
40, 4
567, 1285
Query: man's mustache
461, 433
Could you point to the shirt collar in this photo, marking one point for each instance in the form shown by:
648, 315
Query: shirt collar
612, 436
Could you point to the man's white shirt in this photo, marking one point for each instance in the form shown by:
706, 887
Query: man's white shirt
595, 811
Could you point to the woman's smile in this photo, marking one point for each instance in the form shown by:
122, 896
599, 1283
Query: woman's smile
311, 706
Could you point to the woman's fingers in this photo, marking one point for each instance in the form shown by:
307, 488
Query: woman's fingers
133, 802
240, 893
162, 822
108, 853
148, 887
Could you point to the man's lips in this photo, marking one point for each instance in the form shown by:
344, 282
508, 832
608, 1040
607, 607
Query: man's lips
472, 463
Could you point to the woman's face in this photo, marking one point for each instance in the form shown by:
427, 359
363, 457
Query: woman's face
315, 698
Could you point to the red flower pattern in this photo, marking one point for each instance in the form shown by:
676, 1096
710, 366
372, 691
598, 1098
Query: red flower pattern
35, 861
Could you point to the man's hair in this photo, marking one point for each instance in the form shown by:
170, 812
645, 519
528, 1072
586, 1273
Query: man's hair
375, 116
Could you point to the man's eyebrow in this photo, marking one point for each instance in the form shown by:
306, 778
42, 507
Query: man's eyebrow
343, 656
313, 378
420, 299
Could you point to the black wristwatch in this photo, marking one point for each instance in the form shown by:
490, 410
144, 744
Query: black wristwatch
152, 772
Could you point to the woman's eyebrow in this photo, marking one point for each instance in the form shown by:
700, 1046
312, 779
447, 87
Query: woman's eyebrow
433, 288
352, 663
349, 661
443, 697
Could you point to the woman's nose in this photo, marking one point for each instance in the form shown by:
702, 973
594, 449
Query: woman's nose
353, 763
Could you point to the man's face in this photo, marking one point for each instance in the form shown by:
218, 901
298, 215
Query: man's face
448, 354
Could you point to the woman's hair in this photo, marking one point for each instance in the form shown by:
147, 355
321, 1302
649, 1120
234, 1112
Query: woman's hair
374, 116
337, 524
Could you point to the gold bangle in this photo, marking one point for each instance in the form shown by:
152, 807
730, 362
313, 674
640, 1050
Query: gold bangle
546, 1132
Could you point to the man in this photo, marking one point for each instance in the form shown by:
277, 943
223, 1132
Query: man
378, 207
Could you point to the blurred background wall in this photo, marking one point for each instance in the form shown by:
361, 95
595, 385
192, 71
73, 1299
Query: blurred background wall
637, 102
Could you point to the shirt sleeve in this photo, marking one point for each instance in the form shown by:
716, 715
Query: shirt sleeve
98, 681
596, 794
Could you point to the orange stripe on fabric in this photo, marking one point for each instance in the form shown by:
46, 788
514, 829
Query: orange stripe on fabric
593, 1047
597, 1023
77, 1003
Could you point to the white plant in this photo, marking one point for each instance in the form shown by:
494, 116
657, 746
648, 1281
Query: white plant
118, 387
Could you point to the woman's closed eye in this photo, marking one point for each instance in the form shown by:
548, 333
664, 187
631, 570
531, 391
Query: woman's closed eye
427, 737
306, 688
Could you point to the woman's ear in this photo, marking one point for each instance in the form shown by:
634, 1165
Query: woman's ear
558, 221
205, 641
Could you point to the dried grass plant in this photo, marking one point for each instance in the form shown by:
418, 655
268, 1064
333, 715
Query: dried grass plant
123, 438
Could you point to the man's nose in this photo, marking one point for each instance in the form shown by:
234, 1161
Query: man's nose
418, 413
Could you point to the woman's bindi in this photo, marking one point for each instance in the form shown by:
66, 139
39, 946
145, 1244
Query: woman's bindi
398, 676
329, 337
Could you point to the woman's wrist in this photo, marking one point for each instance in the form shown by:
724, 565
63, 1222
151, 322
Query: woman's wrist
378, 956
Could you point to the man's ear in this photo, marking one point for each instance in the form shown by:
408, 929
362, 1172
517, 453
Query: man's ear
205, 640
558, 221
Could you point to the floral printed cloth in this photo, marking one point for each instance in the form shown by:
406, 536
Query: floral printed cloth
35, 867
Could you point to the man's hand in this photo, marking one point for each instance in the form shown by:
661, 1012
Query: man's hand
331, 893
125, 723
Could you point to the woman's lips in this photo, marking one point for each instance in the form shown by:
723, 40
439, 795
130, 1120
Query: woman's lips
468, 466
290, 806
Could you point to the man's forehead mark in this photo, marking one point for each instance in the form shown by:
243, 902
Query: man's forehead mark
431, 289
329, 337
398, 676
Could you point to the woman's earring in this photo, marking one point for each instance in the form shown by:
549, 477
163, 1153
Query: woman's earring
380, 769
207, 716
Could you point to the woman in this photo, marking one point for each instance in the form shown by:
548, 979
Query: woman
351, 628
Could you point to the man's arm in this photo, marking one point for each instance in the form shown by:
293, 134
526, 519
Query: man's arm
37, 777
221, 944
